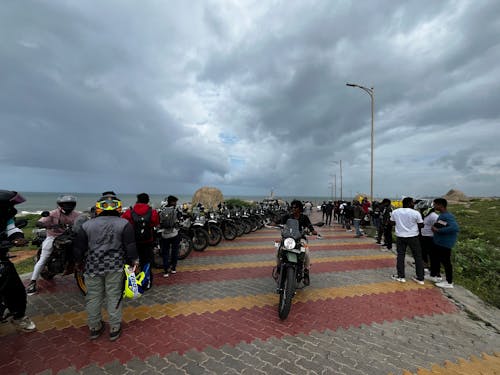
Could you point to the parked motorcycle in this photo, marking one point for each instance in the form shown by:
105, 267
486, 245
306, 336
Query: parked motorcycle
213, 229
195, 230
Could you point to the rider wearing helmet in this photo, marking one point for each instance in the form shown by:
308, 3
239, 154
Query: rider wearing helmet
102, 247
296, 212
12, 291
62, 216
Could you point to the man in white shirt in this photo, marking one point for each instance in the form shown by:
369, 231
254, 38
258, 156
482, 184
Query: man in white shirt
407, 222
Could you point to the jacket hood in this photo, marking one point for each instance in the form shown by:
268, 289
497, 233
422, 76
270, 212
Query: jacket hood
141, 208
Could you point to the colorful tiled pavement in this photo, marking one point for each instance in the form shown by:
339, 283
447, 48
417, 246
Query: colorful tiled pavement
218, 315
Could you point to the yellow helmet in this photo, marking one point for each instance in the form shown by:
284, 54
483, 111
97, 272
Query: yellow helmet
108, 204
133, 283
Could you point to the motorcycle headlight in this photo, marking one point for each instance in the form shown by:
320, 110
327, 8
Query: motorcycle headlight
289, 243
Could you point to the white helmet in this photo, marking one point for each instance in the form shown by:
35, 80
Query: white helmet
67, 203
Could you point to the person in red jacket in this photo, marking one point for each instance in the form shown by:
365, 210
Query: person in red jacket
144, 219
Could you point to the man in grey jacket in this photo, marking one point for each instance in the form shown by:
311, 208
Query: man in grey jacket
102, 247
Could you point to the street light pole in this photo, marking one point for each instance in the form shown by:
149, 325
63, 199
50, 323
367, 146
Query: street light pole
340, 164
370, 91
335, 184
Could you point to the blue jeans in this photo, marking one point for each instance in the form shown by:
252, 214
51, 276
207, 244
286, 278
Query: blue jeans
170, 252
357, 223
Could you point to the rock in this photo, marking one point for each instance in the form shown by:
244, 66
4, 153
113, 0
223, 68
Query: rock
209, 197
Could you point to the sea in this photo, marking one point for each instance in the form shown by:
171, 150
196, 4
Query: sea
37, 202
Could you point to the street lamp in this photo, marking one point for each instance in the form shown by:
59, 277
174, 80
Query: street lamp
334, 186
371, 92
340, 164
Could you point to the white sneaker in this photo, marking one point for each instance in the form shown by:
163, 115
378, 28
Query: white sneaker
445, 285
434, 279
24, 323
165, 274
426, 271
420, 282
400, 279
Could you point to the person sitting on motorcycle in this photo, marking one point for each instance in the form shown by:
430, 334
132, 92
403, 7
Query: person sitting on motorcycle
13, 294
63, 215
296, 208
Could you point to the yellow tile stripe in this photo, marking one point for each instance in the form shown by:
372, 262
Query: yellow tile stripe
156, 311
271, 245
272, 262
487, 364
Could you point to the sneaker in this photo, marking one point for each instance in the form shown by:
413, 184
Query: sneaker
165, 274
400, 279
421, 282
434, 279
173, 272
96, 332
31, 288
427, 271
445, 285
114, 333
24, 324
306, 280
382, 244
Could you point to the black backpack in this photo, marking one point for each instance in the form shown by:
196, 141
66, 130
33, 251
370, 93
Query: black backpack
142, 226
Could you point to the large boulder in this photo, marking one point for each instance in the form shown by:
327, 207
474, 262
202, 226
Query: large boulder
456, 196
209, 197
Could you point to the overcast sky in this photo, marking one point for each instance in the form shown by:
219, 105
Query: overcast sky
249, 96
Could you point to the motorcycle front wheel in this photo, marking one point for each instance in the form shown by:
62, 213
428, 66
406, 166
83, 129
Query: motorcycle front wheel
214, 235
185, 246
200, 239
287, 292
229, 231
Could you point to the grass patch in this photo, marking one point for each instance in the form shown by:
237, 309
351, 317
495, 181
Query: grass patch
25, 266
476, 256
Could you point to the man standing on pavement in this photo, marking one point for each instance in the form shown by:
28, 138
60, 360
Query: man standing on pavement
408, 221
445, 231
328, 212
358, 214
385, 226
105, 243
144, 219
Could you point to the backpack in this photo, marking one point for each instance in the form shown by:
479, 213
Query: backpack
142, 225
168, 218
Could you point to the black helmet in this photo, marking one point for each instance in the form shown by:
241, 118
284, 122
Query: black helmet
67, 203
10, 198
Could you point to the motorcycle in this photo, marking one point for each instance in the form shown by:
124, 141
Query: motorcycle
195, 231
290, 272
61, 259
213, 229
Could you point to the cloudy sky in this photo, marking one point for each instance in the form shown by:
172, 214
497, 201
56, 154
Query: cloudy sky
249, 96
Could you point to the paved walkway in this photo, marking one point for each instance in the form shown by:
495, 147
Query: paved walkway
218, 315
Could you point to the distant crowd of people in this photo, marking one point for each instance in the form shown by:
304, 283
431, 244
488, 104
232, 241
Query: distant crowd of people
430, 233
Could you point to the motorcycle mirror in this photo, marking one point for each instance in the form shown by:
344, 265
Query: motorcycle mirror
45, 213
21, 223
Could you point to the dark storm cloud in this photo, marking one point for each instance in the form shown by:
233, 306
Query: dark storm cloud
157, 91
